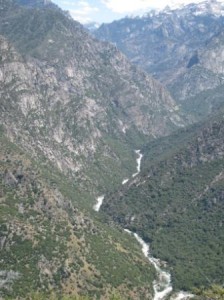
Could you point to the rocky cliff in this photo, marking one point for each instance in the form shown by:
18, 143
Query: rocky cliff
181, 47
72, 111
75, 100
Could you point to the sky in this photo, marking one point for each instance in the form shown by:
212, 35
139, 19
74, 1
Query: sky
106, 11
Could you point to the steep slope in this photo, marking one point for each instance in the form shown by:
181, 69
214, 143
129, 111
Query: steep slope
199, 88
214, 292
176, 203
180, 47
75, 100
72, 109
50, 244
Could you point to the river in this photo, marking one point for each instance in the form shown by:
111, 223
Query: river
162, 286
99, 202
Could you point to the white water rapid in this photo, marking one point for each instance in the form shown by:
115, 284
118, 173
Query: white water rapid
99, 200
125, 181
182, 296
139, 160
162, 286
98, 204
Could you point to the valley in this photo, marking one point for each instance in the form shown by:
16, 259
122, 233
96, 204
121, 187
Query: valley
181, 47
171, 202
111, 154
162, 286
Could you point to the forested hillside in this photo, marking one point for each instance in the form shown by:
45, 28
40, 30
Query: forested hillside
75, 117
176, 203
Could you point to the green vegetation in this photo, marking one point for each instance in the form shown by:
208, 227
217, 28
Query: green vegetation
215, 292
177, 204
52, 240
67, 98
53, 296
46, 214
204, 103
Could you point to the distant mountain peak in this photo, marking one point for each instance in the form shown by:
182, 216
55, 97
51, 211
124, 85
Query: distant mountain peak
214, 7
181, 47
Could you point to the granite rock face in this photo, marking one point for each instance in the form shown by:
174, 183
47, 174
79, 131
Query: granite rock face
65, 95
72, 111
181, 47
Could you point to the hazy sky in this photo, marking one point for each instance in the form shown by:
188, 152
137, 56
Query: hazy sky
105, 11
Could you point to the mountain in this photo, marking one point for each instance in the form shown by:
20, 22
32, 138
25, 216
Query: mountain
73, 110
50, 244
180, 47
75, 100
176, 203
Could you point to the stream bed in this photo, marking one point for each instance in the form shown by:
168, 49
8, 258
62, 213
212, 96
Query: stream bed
162, 285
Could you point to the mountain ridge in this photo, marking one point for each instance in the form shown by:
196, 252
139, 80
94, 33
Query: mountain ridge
173, 46
65, 82
180, 203
49, 243
73, 110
